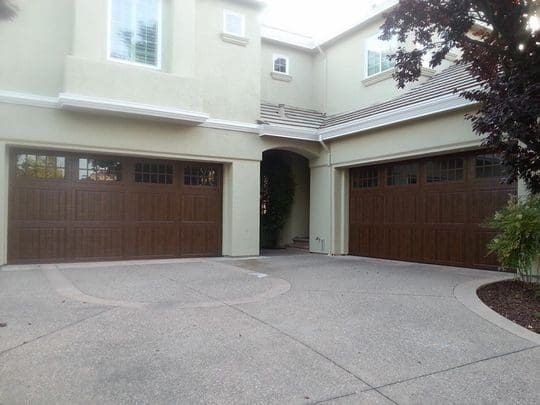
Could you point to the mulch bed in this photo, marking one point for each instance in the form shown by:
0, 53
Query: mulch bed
515, 300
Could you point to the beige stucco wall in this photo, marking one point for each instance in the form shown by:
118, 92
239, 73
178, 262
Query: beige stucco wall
344, 63
299, 91
3, 201
34, 45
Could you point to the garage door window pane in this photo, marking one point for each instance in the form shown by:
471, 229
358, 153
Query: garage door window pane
154, 173
99, 170
445, 170
365, 178
200, 176
40, 166
489, 166
402, 174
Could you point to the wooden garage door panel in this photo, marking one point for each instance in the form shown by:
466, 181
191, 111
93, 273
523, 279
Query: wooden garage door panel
440, 221
38, 204
93, 205
104, 243
37, 244
107, 208
199, 240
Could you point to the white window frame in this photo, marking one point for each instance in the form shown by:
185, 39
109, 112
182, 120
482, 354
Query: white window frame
287, 65
157, 66
242, 19
366, 57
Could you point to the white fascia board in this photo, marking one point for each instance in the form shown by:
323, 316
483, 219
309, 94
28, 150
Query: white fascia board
283, 131
85, 103
412, 112
33, 100
231, 125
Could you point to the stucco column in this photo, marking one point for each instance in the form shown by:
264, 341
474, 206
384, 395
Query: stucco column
523, 191
3, 201
241, 195
341, 211
320, 234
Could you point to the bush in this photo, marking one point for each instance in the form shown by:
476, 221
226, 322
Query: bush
517, 244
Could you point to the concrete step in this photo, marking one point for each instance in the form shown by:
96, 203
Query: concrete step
300, 242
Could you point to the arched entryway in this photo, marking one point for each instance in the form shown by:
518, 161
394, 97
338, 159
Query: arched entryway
285, 188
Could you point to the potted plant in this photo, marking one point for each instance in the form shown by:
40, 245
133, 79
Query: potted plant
517, 244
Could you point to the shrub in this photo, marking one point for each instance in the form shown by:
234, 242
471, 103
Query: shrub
517, 244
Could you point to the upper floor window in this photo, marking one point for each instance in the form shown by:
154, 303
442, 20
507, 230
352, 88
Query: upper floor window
378, 53
281, 64
135, 31
234, 23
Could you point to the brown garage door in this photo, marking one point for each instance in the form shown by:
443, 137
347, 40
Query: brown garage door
81, 207
428, 210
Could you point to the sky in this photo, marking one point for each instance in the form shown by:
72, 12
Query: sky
320, 19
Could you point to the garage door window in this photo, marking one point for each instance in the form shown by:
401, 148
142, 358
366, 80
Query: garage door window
99, 170
41, 166
365, 178
445, 170
200, 176
153, 173
489, 166
402, 174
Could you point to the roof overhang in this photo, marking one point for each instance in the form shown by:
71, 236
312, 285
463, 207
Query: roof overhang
79, 102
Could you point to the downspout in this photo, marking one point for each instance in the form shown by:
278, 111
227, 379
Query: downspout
331, 248
328, 151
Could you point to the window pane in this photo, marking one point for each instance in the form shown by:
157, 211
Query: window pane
445, 170
41, 166
374, 62
280, 65
153, 173
234, 24
365, 177
402, 174
489, 165
99, 170
200, 176
134, 30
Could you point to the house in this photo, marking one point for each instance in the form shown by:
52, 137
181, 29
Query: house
136, 129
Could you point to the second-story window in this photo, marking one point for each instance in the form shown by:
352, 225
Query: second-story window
234, 23
281, 64
377, 54
135, 31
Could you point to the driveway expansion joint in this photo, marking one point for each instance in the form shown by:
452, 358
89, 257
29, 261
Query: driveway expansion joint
497, 356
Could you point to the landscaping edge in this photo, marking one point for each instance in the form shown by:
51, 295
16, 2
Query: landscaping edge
466, 294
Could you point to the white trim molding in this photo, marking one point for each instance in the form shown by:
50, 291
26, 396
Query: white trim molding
32, 100
227, 125
284, 131
408, 113
85, 103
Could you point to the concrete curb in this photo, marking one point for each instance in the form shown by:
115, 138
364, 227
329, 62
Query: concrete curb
466, 294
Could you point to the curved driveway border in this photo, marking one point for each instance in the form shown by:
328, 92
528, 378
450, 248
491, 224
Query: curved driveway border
67, 289
466, 294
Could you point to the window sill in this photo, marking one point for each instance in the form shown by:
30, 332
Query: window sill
378, 77
387, 74
281, 76
234, 39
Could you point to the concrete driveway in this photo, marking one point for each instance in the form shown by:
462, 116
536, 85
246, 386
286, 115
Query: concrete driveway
286, 329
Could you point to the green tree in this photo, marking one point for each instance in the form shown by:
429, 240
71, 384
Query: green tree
499, 42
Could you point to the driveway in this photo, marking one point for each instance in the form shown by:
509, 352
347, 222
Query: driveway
285, 329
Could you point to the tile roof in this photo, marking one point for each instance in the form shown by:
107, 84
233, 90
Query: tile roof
444, 83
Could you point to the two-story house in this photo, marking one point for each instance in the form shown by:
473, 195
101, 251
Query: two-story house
136, 129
